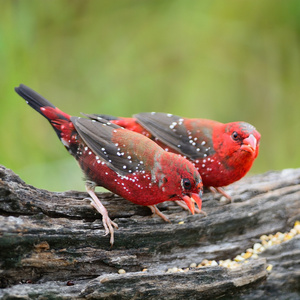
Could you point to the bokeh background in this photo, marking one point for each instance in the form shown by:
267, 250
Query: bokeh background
224, 60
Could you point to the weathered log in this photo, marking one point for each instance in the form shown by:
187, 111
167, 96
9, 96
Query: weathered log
48, 239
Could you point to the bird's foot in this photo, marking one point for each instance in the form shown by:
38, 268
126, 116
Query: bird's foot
107, 222
156, 211
182, 204
220, 191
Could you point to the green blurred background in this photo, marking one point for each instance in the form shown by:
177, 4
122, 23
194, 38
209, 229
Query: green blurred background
224, 60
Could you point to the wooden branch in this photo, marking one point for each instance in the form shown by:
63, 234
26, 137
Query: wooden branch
52, 244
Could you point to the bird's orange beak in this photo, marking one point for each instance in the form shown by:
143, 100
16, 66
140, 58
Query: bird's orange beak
190, 201
249, 144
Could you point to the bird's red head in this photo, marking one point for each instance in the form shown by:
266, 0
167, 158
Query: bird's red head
237, 143
186, 183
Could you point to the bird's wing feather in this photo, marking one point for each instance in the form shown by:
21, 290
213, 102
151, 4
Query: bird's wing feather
99, 117
98, 136
186, 136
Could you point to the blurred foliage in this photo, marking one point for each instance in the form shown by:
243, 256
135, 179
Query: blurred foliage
224, 60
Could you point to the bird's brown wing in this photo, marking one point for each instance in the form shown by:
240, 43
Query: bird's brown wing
187, 136
98, 117
99, 138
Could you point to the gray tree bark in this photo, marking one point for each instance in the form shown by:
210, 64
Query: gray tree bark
52, 245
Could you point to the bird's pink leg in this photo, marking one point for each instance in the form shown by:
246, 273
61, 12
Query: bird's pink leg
221, 191
182, 204
96, 203
156, 211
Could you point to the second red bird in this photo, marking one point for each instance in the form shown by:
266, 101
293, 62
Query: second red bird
222, 153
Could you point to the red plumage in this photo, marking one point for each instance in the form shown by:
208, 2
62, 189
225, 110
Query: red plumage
123, 161
222, 153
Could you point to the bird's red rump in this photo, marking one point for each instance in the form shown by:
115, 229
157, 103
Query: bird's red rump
54, 113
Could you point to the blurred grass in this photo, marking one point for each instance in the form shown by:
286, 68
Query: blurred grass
224, 60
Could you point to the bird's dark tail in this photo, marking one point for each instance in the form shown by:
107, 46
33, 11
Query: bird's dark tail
55, 116
35, 100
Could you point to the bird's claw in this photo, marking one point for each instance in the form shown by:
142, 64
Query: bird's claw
221, 191
185, 207
106, 221
156, 211
203, 213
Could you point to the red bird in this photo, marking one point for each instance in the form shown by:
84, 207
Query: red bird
222, 153
125, 162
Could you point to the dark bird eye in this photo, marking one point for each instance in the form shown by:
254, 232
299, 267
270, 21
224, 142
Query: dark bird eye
235, 136
186, 184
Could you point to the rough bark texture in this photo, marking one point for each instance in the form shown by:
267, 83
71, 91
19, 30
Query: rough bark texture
49, 239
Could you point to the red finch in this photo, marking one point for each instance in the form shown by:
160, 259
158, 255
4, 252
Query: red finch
127, 163
222, 153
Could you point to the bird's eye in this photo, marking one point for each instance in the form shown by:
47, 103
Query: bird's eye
186, 183
235, 136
